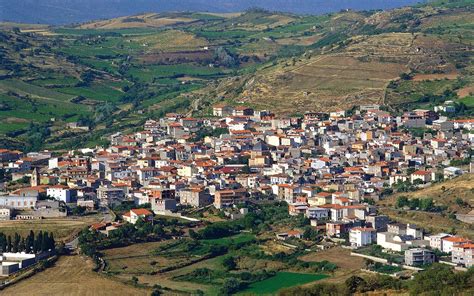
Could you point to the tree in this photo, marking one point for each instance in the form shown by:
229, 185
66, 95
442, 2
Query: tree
230, 286
30, 241
45, 242
229, 263
9, 243
353, 283
193, 234
401, 201
38, 242
134, 280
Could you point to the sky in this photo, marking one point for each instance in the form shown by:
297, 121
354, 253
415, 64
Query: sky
60, 12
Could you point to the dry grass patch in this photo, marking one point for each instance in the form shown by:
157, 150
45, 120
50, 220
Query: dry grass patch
62, 228
172, 40
347, 265
423, 77
71, 275
151, 20
465, 91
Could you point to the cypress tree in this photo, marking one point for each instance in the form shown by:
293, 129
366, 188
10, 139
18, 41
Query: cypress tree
16, 242
9, 243
38, 242
22, 246
45, 242
52, 243
3, 242
30, 241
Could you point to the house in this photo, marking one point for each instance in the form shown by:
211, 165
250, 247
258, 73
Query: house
225, 198
337, 229
5, 214
110, 196
449, 242
451, 172
289, 234
463, 255
61, 193
436, 241
196, 197
242, 111
222, 110
134, 214
296, 208
423, 176
163, 205
18, 201
361, 236
400, 237
419, 257
379, 222
316, 213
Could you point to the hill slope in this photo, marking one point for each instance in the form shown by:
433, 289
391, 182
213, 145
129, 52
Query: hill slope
358, 59
111, 75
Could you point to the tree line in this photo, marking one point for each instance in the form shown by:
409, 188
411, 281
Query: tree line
43, 241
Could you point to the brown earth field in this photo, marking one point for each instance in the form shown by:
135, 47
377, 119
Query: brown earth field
173, 57
423, 77
465, 91
152, 20
71, 275
347, 265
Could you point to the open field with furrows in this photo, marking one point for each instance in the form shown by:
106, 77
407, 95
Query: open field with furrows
137, 259
143, 261
71, 275
320, 82
63, 229
347, 265
171, 40
149, 20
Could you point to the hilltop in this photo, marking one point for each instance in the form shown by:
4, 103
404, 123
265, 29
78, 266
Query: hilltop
78, 11
110, 75
358, 58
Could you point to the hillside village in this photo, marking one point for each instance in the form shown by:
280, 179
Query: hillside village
331, 168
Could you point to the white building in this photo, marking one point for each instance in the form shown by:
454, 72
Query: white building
436, 241
134, 214
317, 213
18, 201
5, 213
448, 243
361, 236
60, 192
463, 255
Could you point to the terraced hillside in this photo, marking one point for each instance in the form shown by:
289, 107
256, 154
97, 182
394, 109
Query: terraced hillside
111, 75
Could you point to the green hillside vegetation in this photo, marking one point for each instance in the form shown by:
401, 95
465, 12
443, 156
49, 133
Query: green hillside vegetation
147, 65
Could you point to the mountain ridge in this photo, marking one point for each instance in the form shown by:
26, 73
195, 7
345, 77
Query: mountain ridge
61, 12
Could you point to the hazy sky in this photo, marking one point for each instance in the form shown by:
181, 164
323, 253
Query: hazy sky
73, 11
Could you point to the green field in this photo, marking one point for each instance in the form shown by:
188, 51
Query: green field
97, 91
228, 241
169, 71
469, 101
282, 280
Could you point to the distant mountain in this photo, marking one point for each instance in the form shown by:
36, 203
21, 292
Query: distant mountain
57, 12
